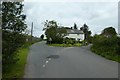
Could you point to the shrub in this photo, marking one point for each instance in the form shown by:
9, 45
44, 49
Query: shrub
70, 41
118, 47
13, 24
11, 41
106, 47
77, 44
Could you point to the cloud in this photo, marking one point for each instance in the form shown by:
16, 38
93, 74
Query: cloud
97, 15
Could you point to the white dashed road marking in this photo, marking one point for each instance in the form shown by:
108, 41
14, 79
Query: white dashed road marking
46, 62
49, 59
43, 65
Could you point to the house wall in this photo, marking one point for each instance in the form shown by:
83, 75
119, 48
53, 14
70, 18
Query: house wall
45, 36
76, 36
118, 35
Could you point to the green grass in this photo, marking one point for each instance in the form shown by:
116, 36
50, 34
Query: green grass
108, 55
17, 70
66, 45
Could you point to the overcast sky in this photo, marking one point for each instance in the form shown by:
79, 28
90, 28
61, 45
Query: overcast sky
97, 15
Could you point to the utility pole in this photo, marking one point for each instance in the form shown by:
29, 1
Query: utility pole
31, 31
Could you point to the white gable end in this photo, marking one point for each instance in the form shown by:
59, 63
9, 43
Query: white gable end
76, 36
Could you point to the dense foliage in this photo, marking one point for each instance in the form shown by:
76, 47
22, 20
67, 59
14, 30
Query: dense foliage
108, 47
12, 17
75, 26
42, 36
110, 31
13, 24
87, 33
105, 44
11, 41
54, 32
118, 49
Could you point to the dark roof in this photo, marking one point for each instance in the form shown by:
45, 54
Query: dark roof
74, 31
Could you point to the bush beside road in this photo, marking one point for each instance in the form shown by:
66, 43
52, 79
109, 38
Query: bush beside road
17, 70
107, 47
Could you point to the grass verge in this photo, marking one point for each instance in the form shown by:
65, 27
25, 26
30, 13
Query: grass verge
66, 45
108, 55
17, 70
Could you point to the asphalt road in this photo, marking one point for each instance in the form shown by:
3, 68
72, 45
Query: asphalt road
70, 62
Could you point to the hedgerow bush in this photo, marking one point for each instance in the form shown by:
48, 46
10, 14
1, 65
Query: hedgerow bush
71, 41
13, 26
11, 41
118, 48
106, 46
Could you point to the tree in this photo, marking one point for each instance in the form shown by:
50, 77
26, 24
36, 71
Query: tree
50, 29
53, 31
110, 31
42, 36
50, 24
84, 28
12, 17
13, 24
87, 33
89, 37
75, 26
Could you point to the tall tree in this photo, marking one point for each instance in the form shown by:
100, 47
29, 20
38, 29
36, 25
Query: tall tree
13, 24
85, 29
75, 26
50, 29
87, 33
12, 17
49, 24
53, 32
89, 37
42, 36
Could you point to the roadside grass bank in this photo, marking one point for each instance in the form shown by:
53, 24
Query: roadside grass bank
107, 47
17, 70
108, 54
66, 45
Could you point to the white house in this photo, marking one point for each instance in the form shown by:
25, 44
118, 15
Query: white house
75, 34
118, 35
44, 36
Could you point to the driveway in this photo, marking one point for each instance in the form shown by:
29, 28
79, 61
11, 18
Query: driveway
70, 62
